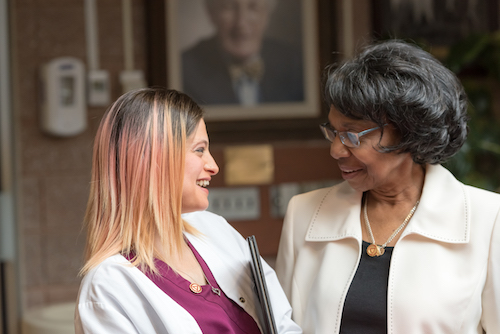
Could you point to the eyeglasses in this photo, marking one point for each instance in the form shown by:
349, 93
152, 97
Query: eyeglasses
349, 139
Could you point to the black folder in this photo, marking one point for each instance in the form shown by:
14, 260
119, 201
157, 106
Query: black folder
261, 286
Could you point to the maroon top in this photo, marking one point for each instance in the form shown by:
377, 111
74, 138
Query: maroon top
213, 313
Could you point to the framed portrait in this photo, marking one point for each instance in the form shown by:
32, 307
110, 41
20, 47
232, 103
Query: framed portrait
245, 60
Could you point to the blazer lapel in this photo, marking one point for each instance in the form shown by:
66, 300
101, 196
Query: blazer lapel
441, 215
337, 215
443, 212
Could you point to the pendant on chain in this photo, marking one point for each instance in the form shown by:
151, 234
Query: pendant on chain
375, 250
195, 287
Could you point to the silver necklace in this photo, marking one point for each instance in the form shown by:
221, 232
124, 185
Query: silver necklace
374, 249
214, 289
196, 288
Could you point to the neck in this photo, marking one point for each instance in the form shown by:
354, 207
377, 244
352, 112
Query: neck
407, 191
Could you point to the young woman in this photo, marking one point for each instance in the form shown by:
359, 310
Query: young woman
156, 262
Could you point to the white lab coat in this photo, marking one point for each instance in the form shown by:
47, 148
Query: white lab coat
445, 268
117, 298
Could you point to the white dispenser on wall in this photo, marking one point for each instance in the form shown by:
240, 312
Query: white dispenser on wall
63, 104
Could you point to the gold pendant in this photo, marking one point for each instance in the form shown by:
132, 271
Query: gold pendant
373, 250
194, 287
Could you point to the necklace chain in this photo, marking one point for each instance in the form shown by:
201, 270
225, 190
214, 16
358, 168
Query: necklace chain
374, 249
195, 287
214, 289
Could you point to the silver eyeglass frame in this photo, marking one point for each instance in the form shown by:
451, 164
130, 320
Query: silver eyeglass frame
348, 138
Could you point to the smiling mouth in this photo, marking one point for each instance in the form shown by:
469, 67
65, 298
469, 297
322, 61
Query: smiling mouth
348, 171
203, 183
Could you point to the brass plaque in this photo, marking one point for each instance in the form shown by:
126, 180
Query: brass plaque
249, 164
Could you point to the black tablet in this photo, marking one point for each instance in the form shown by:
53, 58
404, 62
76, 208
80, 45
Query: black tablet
261, 286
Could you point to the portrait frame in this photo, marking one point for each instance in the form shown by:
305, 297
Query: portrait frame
327, 24
180, 33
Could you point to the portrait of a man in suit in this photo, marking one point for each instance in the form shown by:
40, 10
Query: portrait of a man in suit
239, 63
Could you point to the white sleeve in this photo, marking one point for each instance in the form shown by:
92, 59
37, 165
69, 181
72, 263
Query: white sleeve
490, 319
94, 318
286, 256
281, 307
117, 298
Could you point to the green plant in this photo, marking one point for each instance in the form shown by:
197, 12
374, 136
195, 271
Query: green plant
476, 61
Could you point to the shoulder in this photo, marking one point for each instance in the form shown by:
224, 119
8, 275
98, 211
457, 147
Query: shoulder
112, 265
109, 278
272, 45
443, 181
484, 205
322, 196
203, 219
201, 49
216, 233
281, 54
304, 208
483, 195
478, 207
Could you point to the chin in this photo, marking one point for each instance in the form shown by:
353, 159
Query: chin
195, 208
243, 53
192, 210
356, 186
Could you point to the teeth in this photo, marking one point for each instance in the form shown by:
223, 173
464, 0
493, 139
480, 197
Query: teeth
203, 183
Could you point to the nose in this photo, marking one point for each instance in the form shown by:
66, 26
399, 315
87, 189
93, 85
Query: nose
211, 165
242, 15
338, 150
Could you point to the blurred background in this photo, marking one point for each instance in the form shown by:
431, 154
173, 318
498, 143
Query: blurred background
62, 62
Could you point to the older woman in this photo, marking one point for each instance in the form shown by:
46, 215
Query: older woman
156, 262
401, 246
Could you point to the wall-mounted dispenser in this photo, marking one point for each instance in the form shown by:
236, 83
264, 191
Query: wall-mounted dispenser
63, 102
98, 88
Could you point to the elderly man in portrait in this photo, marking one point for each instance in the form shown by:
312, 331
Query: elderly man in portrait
239, 64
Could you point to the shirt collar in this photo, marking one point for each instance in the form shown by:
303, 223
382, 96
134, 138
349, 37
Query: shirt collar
441, 215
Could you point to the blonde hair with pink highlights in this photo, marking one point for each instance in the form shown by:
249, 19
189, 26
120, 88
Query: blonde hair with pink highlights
137, 176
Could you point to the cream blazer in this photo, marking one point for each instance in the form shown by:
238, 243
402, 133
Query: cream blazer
115, 297
445, 268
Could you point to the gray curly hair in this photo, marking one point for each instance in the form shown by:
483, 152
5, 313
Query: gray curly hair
398, 83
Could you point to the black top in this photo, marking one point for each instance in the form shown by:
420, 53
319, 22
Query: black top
365, 307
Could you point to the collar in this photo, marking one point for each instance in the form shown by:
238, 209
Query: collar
442, 215
253, 69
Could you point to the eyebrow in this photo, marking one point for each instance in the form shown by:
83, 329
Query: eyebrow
201, 141
348, 125
343, 125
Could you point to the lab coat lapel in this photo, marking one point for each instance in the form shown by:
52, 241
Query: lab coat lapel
229, 277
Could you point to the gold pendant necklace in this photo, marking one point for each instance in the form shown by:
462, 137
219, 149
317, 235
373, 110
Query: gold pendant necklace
195, 287
374, 249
